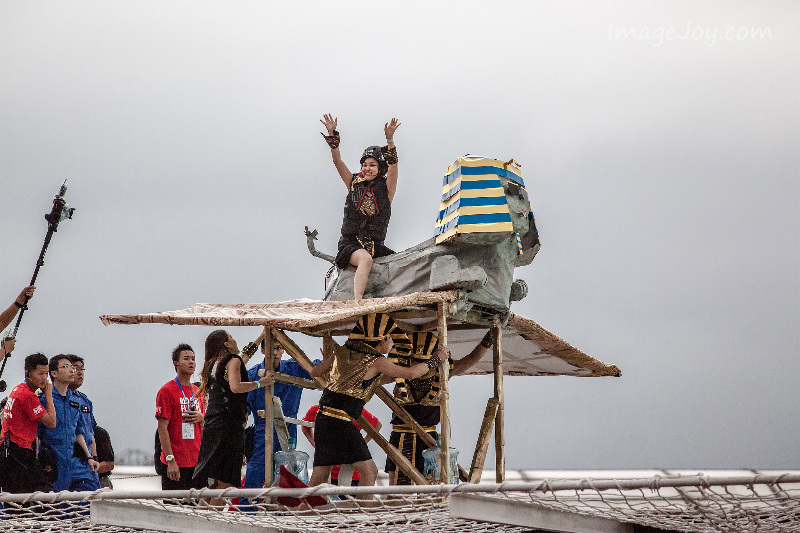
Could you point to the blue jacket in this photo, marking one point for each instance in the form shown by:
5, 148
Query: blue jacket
62, 438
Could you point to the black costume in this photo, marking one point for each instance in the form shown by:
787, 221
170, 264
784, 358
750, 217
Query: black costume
367, 211
420, 398
222, 446
338, 441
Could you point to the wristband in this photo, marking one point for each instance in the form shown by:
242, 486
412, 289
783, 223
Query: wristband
487, 340
258, 384
17, 304
390, 140
95, 459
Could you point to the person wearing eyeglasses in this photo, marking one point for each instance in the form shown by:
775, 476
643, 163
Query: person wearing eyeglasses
290, 401
84, 478
70, 427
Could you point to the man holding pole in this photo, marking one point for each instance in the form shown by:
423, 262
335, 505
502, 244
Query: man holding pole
8, 315
290, 400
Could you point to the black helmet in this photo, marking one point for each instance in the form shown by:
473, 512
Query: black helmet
375, 152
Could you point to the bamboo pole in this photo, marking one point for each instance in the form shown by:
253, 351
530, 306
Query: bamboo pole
499, 434
269, 419
444, 405
482, 446
298, 355
393, 453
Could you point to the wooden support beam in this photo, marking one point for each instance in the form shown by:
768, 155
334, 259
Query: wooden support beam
280, 424
294, 380
297, 354
499, 434
406, 417
482, 446
399, 459
269, 393
444, 405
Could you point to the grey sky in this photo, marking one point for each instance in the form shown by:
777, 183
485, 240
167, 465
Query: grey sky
658, 143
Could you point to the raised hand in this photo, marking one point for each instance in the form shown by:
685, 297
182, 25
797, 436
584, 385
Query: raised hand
390, 127
330, 122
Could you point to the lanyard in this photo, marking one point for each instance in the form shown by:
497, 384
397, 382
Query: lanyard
191, 392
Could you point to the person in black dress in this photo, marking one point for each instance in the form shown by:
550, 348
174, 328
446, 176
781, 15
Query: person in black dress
224, 379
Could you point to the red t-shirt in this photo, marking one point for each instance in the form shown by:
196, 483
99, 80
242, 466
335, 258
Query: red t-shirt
20, 416
170, 403
311, 416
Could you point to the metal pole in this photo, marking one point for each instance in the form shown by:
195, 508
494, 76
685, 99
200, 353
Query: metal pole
444, 399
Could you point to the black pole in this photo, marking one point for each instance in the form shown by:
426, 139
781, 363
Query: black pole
61, 211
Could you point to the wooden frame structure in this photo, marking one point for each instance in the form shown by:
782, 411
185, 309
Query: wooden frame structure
416, 312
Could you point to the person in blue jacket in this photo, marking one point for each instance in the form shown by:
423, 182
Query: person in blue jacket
83, 477
290, 400
69, 424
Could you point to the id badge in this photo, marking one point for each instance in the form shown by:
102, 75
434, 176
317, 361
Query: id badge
188, 430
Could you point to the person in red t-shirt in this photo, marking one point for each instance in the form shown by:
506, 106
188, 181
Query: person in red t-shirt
179, 410
20, 471
311, 416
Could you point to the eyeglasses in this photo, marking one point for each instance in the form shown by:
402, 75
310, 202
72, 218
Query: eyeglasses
79, 368
67, 366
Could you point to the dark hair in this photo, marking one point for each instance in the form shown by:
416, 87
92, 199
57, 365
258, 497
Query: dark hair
55, 359
34, 360
176, 353
74, 358
215, 347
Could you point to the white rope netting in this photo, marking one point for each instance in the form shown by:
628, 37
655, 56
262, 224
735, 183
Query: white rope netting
759, 503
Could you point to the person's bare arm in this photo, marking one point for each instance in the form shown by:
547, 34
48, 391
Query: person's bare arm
330, 123
8, 315
465, 363
327, 350
49, 418
391, 175
237, 385
309, 433
81, 440
384, 366
173, 471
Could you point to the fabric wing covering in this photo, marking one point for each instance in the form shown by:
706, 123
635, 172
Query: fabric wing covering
528, 349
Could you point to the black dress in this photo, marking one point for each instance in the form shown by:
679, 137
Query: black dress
367, 211
222, 445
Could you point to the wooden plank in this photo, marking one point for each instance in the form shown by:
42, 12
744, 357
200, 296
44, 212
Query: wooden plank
280, 424
482, 446
444, 399
269, 393
294, 380
499, 435
298, 355
409, 420
530, 515
404, 415
289, 420
399, 459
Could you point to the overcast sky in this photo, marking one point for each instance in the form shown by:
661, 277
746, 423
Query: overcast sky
659, 144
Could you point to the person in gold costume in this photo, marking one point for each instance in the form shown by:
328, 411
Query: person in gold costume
356, 370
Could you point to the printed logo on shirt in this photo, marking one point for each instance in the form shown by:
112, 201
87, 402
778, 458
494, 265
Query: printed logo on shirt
158, 409
74, 404
38, 409
85, 409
